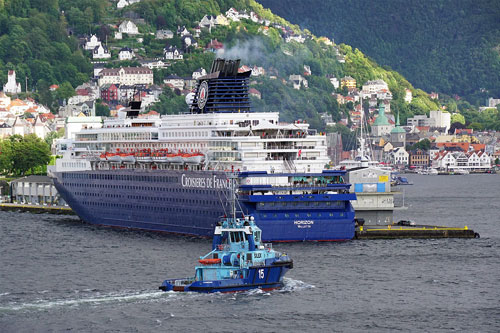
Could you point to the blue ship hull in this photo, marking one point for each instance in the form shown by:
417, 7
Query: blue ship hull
271, 279
190, 203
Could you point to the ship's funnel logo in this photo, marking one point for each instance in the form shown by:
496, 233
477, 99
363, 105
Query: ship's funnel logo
202, 94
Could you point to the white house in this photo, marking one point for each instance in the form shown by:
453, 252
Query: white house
372, 87
12, 87
154, 64
92, 43
101, 52
289, 37
126, 76
208, 21
399, 156
297, 81
182, 31
172, 53
199, 73
40, 128
333, 80
164, 34
188, 40
128, 27
408, 96
174, 81
258, 71
471, 161
232, 14
126, 53
124, 3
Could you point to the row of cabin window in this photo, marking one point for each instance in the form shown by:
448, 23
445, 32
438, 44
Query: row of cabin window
145, 188
265, 215
149, 208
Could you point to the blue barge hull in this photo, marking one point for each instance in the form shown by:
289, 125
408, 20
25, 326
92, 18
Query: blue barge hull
190, 203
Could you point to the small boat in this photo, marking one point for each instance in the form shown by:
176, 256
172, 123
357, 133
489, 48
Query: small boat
174, 158
127, 158
195, 158
114, 157
432, 172
402, 181
461, 172
144, 157
238, 261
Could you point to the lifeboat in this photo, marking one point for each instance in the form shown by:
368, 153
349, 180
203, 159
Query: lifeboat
174, 158
210, 261
160, 157
103, 157
114, 157
195, 158
144, 157
127, 158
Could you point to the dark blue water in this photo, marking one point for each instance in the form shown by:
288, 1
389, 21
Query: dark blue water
57, 274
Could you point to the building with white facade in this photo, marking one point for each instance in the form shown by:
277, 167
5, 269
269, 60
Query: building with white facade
399, 156
373, 87
128, 27
126, 76
101, 52
199, 73
437, 118
172, 53
470, 161
92, 43
126, 53
408, 96
12, 87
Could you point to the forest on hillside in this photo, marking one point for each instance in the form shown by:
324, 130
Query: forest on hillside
447, 46
41, 41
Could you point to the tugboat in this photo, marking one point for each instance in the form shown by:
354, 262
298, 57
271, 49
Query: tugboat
239, 261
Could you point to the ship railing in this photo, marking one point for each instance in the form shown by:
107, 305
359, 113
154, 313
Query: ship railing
182, 282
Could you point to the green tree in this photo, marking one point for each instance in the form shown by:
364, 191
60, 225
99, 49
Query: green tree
28, 153
54, 135
101, 109
457, 118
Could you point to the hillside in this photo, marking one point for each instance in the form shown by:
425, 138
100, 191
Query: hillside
447, 46
35, 42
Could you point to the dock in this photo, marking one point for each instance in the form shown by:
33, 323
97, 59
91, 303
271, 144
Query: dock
37, 209
417, 231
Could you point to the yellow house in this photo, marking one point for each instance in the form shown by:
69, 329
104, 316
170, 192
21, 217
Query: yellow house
348, 81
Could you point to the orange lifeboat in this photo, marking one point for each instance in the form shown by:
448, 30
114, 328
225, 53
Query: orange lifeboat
209, 261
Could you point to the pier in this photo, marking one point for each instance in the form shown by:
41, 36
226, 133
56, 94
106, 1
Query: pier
37, 209
417, 231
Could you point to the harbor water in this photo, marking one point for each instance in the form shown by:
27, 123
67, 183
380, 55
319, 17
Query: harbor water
57, 273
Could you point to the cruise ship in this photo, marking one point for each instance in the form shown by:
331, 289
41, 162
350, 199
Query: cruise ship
171, 173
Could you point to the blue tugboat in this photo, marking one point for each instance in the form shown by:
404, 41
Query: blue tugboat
238, 261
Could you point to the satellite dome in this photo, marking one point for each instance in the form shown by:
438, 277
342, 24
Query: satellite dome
189, 98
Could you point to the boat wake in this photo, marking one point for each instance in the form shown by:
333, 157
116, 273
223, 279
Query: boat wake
294, 285
45, 304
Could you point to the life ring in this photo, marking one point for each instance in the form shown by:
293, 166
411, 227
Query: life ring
210, 261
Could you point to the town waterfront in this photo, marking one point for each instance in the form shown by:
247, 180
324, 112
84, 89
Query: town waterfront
60, 274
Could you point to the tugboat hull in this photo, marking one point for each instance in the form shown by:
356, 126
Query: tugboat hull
263, 277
